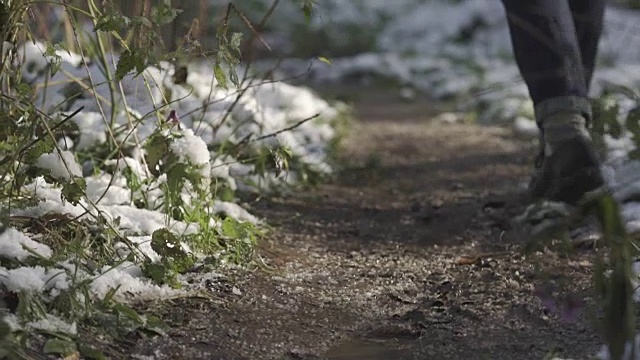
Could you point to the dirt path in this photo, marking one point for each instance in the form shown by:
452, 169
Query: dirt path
369, 266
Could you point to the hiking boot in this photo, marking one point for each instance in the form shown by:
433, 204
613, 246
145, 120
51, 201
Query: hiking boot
567, 167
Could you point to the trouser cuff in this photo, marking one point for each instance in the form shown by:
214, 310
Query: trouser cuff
573, 104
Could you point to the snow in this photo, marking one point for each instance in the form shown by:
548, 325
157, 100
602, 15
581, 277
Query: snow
25, 278
191, 149
417, 44
61, 165
456, 49
234, 210
49, 323
203, 116
526, 127
129, 285
13, 245
53, 324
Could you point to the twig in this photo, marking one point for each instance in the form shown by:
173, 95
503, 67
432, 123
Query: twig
238, 147
263, 82
285, 129
248, 49
248, 23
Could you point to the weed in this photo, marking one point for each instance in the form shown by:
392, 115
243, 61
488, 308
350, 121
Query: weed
97, 166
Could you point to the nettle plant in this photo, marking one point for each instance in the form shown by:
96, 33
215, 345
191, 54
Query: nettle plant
155, 162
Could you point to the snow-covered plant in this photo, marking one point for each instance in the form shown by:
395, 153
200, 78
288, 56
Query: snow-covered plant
616, 121
120, 164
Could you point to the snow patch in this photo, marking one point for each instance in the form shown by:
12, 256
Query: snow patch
61, 165
14, 245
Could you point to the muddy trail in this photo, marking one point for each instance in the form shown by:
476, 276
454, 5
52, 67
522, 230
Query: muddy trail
410, 253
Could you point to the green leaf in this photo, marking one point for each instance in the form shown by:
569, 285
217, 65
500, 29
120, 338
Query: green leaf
127, 312
44, 146
58, 346
164, 13
157, 272
55, 61
89, 352
24, 90
167, 244
325, 60
220, 76
74, 190
226, 194
108, 297
112, 22
236, 40
129, 60
231, 228
176, 176
156, 147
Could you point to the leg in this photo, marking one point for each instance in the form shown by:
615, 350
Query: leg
588, 17
548, 51
546, 48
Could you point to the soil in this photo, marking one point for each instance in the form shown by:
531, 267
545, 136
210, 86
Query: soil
409, 253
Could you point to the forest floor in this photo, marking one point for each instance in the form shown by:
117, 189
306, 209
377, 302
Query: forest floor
409, 253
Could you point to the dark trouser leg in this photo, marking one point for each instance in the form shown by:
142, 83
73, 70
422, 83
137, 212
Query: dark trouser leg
588, 16
555, 44
546, 48
556, 54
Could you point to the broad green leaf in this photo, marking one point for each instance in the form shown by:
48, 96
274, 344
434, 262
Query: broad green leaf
129, 60
157, 272
60, 347
230, 228
112, 22
92, 353
164, 13
167, 244
127, 312
74, 190
176, 176
226, 194
156, 147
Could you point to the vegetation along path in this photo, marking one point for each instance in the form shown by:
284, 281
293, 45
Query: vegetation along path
409, 253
